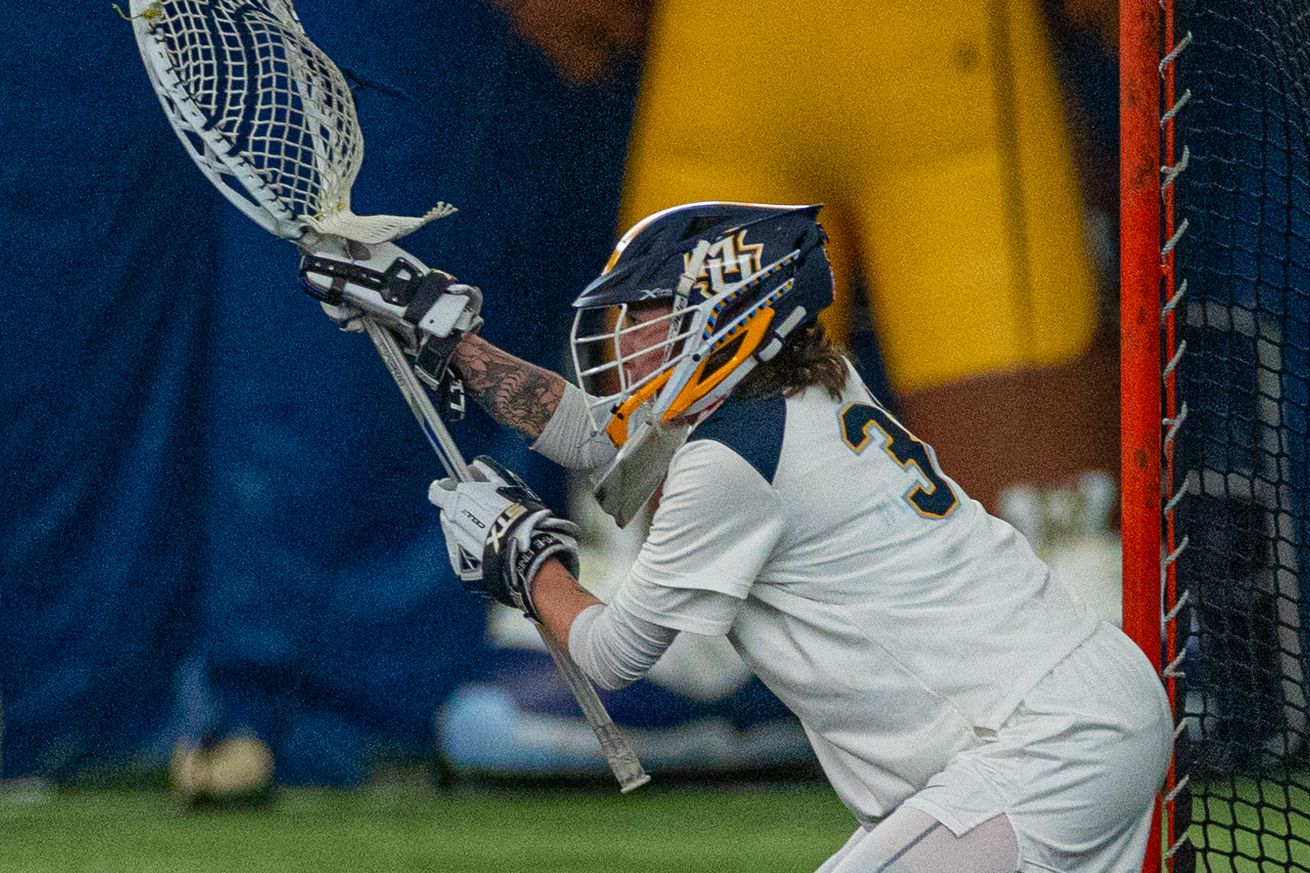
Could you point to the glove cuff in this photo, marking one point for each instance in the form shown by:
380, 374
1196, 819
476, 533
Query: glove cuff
511, 566
543, 547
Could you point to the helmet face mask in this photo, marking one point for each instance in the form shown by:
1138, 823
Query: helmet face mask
692, 299
623, 355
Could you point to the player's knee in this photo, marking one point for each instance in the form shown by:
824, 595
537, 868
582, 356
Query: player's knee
911, 841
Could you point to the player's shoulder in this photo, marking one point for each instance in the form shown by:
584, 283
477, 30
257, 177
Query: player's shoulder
751, 428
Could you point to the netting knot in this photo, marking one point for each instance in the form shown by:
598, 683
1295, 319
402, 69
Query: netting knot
151, 13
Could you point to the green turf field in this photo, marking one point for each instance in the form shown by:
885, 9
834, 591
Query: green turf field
395, 830
1240, 821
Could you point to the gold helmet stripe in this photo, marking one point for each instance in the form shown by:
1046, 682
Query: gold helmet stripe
617, 429
755, 328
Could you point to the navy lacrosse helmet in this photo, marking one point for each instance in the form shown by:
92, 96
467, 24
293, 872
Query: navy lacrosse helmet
692, 299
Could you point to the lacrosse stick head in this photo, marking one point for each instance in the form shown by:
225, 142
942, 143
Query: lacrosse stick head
264, 113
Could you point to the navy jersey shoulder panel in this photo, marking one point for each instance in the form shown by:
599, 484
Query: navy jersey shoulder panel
752, 428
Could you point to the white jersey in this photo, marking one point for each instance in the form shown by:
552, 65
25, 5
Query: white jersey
883, 605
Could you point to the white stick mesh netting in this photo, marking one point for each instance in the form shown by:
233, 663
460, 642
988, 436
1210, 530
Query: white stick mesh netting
259, 105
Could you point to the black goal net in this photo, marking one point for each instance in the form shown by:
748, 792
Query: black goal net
1244, 123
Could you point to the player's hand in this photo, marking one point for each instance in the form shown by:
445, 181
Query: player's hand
499, 533
581, 38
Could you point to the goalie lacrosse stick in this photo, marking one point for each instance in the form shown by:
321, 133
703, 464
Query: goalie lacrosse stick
270, 121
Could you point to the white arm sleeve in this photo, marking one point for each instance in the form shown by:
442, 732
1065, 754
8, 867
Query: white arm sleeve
570, 438
615, 646
716, 526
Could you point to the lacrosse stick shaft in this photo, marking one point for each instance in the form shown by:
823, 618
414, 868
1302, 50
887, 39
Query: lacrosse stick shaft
419, 402
618, 751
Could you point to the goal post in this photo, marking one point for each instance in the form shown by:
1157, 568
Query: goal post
1140, 336
1215, 369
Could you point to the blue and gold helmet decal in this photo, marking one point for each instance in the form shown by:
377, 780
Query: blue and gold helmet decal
730, 260
648, 261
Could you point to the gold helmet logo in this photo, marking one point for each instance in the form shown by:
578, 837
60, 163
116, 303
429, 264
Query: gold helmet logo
728, 261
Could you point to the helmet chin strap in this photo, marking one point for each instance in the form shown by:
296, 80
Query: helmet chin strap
637, 470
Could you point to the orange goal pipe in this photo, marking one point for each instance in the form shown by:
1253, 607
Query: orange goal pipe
1140, 342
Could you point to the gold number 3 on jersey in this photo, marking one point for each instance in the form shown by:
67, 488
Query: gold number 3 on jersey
932, 496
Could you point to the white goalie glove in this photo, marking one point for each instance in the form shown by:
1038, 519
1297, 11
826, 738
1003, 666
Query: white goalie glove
429, 309
499, 533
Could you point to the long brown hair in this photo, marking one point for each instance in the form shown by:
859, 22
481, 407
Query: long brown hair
807, 358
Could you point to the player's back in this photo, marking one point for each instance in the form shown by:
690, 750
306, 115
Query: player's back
894, 615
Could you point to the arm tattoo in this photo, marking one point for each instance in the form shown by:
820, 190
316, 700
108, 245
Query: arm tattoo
514, 392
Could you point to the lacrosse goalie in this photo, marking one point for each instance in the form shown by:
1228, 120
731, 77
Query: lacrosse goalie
970, 712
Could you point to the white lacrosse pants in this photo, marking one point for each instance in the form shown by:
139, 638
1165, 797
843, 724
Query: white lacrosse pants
1067, 784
